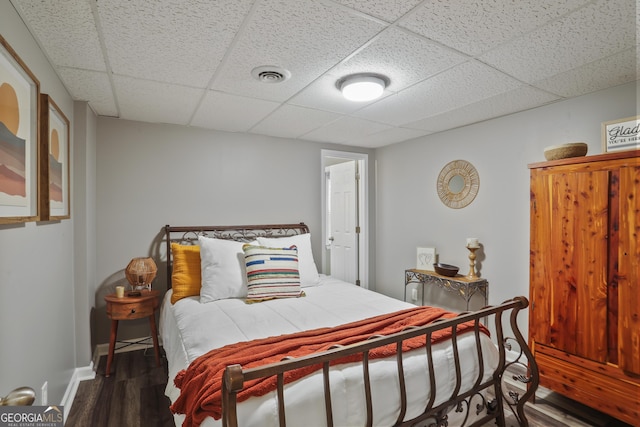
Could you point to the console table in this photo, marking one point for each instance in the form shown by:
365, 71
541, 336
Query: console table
462, 286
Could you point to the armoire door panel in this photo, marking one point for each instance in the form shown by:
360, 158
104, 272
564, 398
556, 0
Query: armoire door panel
629, 271
590, 264
562, 247
571, 249
539, 274
612, 266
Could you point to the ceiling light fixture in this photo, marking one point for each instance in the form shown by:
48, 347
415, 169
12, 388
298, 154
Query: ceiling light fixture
362, 87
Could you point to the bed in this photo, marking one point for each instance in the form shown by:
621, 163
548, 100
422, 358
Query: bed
322, 351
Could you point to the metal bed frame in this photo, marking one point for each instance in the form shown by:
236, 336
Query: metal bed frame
499, 385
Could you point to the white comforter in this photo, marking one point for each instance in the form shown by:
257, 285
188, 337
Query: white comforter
190, 329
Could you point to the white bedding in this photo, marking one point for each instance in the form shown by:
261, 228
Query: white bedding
190, 329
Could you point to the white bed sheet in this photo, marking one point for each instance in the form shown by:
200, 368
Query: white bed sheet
189, 329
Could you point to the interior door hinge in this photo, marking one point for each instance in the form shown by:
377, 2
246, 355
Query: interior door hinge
358, 229
358, 282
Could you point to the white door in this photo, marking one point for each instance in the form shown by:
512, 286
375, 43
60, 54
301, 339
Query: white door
343, 238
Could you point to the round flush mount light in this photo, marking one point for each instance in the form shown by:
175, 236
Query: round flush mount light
270, 74
362, 87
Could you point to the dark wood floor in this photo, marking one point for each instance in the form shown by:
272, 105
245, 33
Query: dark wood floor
554, 410
133, 396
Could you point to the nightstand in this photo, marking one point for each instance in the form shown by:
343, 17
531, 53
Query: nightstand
129, 308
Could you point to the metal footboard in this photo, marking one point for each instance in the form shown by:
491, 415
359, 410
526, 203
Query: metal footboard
502, 396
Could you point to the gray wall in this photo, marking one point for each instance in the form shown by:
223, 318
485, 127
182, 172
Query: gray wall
37, 307
84, 225
150, 175
410, 214
129, 179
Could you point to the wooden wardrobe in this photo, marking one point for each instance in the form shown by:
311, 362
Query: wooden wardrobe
584, 320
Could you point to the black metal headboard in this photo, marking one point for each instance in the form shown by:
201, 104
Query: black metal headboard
188, 235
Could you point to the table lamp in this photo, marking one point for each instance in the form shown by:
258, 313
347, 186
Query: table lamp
140, 273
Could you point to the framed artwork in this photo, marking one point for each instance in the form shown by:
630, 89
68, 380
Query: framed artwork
19, 143
621, 134
55, 162
426, 257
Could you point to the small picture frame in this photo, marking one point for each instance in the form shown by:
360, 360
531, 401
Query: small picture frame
425, 258
621, 134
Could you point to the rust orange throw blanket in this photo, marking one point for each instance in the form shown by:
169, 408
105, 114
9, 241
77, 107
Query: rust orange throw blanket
201, 382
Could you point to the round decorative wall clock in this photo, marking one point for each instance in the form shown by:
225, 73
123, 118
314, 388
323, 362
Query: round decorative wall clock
458, 184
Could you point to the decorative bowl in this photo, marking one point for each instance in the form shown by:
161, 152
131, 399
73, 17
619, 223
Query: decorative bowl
446, 269
564, 151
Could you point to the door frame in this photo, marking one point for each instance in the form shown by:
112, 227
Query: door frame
363, 208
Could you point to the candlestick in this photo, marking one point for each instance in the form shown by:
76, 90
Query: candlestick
472, 242
472, 262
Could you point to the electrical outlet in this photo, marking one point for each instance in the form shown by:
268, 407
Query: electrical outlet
414, 294
44, 393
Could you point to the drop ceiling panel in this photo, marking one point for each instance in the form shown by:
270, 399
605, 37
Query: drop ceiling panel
91, 86
457, 87
403, 56
305, 37
388, 136
165, 41
66, 31
345, 130
593, 32
231, 113
383, 9
607, 72
476, 26
522, 98
298, 121
155, 102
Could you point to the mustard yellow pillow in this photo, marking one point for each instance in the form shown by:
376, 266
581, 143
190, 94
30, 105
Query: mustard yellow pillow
186, 278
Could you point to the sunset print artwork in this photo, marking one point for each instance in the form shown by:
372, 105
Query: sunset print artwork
55, 169
56, 126
18, 139
13, 187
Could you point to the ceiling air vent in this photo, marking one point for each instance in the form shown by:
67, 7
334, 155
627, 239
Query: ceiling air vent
270, 74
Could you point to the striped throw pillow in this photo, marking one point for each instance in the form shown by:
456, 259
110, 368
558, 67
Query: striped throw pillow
272, 273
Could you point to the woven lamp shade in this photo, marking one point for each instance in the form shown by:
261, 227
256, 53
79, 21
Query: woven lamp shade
140, 272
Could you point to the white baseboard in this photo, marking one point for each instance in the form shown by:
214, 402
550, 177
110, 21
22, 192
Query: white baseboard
129, 345
79, 374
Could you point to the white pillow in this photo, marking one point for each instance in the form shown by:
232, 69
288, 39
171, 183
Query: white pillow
308, 271
223, 270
